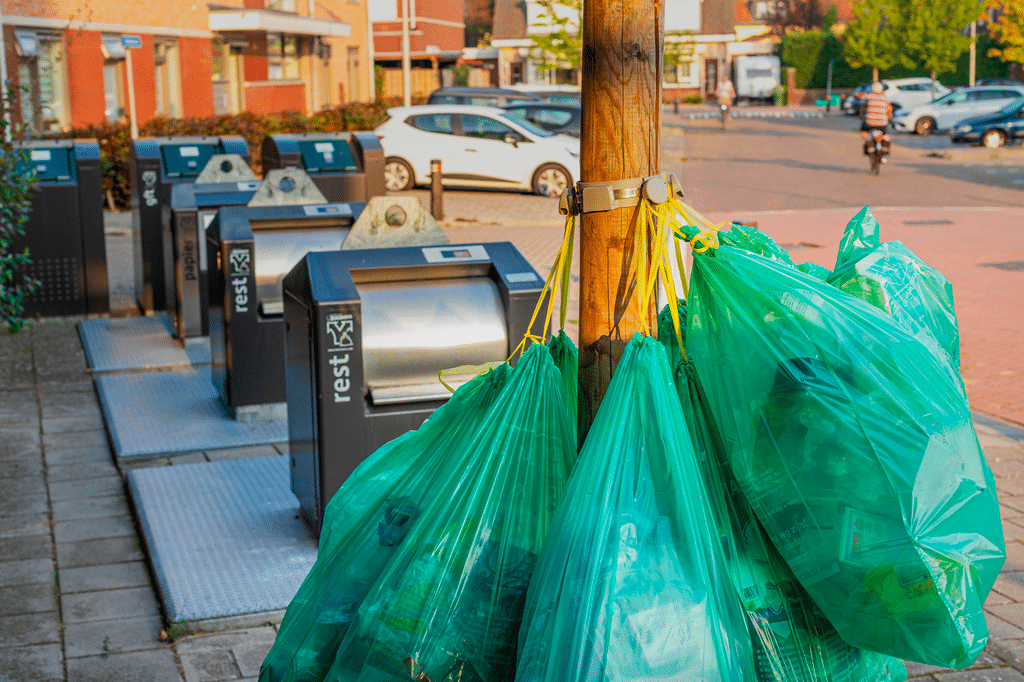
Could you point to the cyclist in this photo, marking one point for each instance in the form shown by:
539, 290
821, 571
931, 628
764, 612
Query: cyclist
876, 113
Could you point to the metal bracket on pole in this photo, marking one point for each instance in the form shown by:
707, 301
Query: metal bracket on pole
595, 197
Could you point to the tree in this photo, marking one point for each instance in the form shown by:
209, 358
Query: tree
562, 46
1008, 29
870, 38
932, 33
16, 187
804, 15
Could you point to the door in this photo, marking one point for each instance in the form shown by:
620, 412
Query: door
710, 76
483, 155
353, 74
959, 106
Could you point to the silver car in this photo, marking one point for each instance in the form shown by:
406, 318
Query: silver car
945, 112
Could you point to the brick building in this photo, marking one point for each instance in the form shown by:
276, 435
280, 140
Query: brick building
66, 62
436, 38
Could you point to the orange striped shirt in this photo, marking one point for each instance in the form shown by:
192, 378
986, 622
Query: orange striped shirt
876, 111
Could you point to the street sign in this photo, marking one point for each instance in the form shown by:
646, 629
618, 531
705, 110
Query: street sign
129, 42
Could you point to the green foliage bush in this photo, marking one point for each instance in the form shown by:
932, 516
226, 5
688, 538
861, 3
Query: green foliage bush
810, 51
115, 149
16, 187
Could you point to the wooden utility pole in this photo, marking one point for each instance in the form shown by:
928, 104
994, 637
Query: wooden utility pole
623, 43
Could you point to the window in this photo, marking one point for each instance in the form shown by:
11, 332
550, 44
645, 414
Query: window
113, 77
168, 77
488, 128
549, 118
282, 56
281, 5
42, 80
432, 123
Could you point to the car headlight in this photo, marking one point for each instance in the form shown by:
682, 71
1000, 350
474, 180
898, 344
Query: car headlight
574, 153
962, 129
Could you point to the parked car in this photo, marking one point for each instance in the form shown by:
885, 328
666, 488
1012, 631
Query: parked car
901, 92
992, 130
481, 97
477, 146
560, 94
998, 81
556, 118
944, 112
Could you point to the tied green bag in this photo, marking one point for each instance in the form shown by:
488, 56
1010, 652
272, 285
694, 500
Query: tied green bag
791, 638
892, 278
428, 547
853, 443
630, 586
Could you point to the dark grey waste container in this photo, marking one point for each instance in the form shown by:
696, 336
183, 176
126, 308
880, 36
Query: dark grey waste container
157, 163
64, 232
345, 166
248, 250
367, 332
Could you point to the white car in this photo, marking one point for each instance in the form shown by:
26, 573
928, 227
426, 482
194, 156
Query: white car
909, 92
478, 147
947, 111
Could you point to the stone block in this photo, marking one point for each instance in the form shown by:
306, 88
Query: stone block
77, 439
1014, 557
90, 508
98, 552
112, 636
34, 628
998, 628
17, 503
25, 599
18, 401
258, 636
72, 455
17, 441
22, 547
24, 464
151, 666
1011, 584
133, 602
81, 471
208, 666
250, 658
93, 487
105, 577
36, 663
1010, 651
981, 675
24, 524
94, 529
69, 424
23, 487
26, 572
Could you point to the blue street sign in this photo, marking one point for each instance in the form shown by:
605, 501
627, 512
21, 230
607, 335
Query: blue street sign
129, 42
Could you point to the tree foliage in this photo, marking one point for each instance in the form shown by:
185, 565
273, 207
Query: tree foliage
16, 187
562, 46
1008, 29
932, 33
801, 15
871, 38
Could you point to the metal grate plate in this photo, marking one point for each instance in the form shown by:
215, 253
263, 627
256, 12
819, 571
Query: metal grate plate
137, 343
223, 537
153, 413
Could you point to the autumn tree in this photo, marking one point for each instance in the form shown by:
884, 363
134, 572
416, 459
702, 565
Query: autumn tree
932, 33
1008, 29
871, 37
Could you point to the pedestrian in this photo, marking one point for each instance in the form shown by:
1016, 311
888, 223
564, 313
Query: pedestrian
726, 92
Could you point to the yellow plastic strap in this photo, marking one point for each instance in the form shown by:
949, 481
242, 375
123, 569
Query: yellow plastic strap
475, 370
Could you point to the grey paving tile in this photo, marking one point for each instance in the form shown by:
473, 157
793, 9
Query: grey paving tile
68, 424
998, 628
22, 547
985, 660
104, 577
90, 508
92, 487
1011, 584
151, 666
94, 529
241, 453
1009, 650
25, 599
250, 658
282, 448
206, 641
24, 524
17, 503
81, 471
112, 636
26, 572
981, 675
99, 552
26, 463
34, 663
35, 628
76, 439
1014, 557
129, 463
188, 458
132, 602
19, 401
18, 420
1013, 530
18, 441
23, 487
1012, 613
72, 455
208, 666
74, 404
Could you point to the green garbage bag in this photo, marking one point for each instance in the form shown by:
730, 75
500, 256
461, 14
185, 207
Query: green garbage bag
854, 446
815, 270
792, 641
892, 278
448, 602
567, 359
754, 240
630, 585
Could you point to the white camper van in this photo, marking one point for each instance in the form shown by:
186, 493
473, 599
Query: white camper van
756, 76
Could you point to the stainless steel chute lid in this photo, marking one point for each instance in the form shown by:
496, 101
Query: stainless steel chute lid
276, 253
413, 329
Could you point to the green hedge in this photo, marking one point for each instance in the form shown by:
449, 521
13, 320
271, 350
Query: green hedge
114, 138
809, 53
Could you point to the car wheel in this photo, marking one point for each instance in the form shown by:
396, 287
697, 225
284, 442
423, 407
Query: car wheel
551, 180
398, 175
925, 126
993, 139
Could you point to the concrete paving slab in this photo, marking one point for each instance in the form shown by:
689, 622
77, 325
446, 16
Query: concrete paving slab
31, 503
17, 440
1014, 556
250, 658
83, 406
985, 660
73, 455
17, 374
112, 636
1008, 650
1011, 584
26, 572
26, 486
18, 401
80, 490
25, 599
18, 420
205, 641
24, 524
81, 471
209, 666
26, 463
35, 628
94, 529
91, 508
37, 663
68, 424
104, 577
78, 439
98, 552
1004, 674
132, 602
151, 666
1001, 629
188, 458
25, 547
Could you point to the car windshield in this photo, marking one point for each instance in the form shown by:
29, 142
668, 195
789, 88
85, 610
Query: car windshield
1013, 107
532, 127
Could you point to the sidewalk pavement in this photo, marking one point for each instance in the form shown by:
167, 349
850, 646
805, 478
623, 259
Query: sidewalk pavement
76, 595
